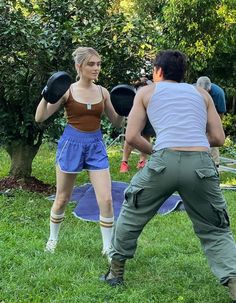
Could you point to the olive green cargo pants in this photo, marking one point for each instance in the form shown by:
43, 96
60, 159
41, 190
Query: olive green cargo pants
194, 176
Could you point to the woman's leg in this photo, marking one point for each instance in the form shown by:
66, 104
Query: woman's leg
65, 183
143, 156
126, 152
101, 182
127, 149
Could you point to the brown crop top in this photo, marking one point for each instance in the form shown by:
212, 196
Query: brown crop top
84, 116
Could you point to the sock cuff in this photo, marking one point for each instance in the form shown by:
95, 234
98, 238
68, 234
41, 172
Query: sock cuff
107, 220
56, 218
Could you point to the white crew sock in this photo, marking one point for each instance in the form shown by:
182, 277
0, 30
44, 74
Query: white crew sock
106, 226
55, 223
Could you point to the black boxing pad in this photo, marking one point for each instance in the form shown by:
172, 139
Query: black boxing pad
122, 98
56, 86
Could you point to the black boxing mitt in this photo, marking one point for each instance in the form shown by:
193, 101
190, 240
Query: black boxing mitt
56, 87
122, 97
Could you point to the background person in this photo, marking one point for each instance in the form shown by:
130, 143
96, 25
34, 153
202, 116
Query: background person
186, 124
127, 150
218, 96
81, 144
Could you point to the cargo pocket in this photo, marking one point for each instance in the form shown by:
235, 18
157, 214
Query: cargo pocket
208, 177
131, 195
218, 206
204, 173
158, 169
223, 218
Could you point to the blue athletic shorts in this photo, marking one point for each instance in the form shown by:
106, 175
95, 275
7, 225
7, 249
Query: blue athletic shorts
81, 150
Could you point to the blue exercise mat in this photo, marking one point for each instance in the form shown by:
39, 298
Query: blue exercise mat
87, 208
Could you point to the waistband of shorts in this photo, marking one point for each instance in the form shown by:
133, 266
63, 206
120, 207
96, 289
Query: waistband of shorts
72, 133
186, 153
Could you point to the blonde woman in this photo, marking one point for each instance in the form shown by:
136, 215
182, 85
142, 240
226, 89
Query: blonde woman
81, 145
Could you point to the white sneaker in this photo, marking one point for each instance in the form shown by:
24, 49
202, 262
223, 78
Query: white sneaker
51, 246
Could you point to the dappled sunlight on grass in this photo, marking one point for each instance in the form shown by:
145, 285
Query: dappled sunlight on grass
228, 178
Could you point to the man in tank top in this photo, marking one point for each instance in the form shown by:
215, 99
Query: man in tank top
187, 125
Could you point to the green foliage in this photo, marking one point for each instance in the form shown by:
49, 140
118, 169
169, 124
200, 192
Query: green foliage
5, 163
108, 130
30, 45
193, 27
55, 129
229, 124
228, 178
229, 148
204, 30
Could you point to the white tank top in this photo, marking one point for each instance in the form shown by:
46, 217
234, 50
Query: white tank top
178, 114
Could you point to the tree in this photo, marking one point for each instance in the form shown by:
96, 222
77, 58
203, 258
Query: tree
37, 39
205, 31
224, 60
26, 61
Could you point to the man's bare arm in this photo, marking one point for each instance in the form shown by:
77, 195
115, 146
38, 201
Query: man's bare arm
136, 122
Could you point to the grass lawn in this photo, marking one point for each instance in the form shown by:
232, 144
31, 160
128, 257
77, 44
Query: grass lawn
169, 265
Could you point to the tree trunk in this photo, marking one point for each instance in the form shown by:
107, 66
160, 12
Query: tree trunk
22, 155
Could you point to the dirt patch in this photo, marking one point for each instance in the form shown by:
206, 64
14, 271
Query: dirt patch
30, 184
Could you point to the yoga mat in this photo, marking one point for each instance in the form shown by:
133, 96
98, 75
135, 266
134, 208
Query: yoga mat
87, 209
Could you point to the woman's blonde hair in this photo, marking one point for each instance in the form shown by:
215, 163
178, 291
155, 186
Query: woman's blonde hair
82, 55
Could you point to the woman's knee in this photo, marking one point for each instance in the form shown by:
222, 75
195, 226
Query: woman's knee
60, 202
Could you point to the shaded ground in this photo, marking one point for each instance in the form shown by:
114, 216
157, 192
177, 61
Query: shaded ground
30, 184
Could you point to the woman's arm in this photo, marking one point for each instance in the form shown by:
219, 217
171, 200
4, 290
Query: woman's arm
45, 109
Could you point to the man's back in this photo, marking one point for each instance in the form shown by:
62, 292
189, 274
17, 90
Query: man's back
178, 114
218, 96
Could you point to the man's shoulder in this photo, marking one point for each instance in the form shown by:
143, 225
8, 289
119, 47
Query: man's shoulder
218, 96
144, 93
146, 89
216, 89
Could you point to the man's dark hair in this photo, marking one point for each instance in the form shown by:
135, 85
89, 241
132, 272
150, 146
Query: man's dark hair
173, 64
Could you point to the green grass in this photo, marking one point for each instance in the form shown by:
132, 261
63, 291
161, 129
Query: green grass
169, 265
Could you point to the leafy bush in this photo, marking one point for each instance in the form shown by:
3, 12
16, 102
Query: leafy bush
229, 123
229, 148
109, 132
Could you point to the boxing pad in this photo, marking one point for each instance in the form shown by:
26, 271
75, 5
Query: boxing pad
122, 97
56, 86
